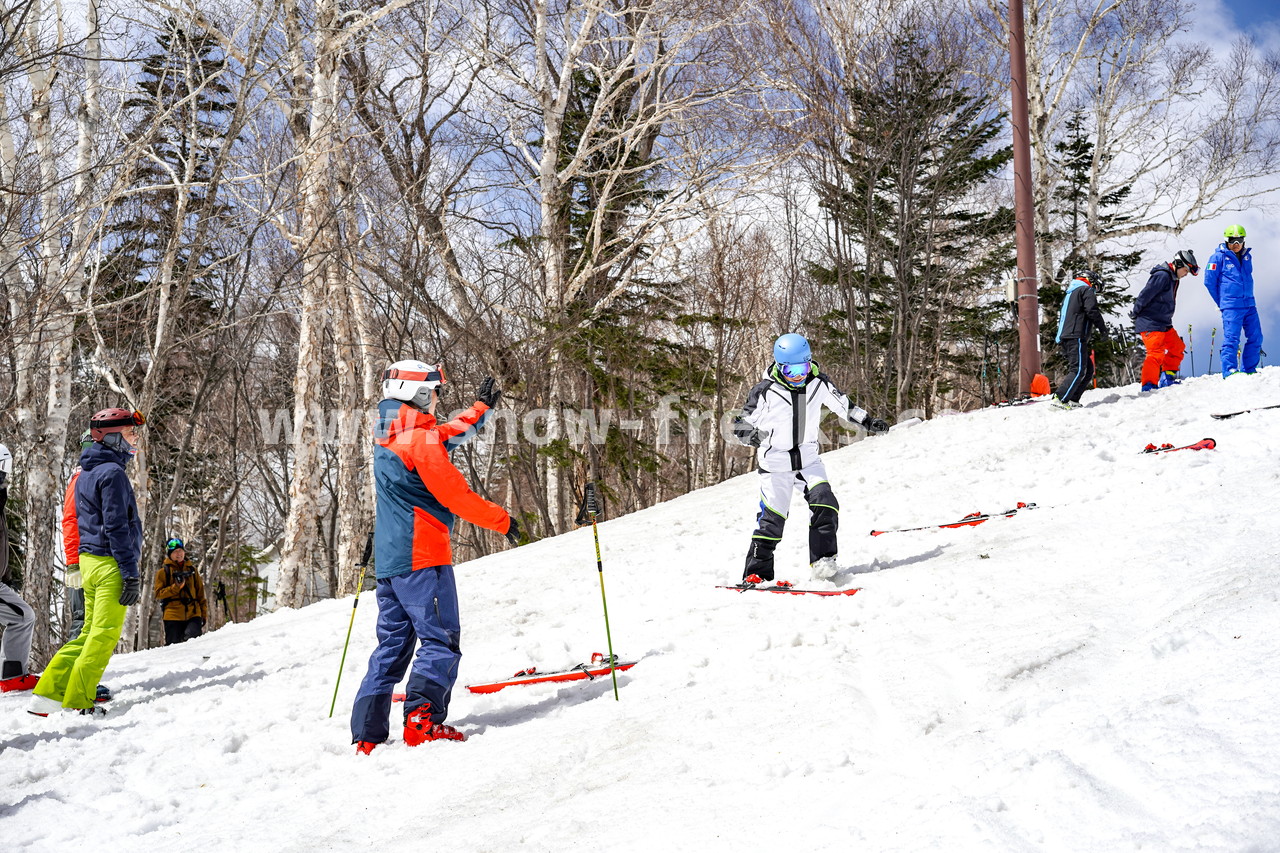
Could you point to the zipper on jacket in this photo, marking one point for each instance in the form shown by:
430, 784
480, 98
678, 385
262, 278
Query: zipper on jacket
798, 404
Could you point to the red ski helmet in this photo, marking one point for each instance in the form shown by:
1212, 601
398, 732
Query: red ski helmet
108, 421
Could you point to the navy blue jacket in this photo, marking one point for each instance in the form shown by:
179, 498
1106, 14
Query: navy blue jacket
1153, 309
107, 514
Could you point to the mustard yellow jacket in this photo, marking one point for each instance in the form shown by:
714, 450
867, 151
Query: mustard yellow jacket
183, 598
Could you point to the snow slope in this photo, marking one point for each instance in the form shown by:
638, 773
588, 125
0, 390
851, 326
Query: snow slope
1096, 674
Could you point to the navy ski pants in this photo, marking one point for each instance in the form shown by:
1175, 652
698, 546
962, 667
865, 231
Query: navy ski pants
420, 607
1079, 369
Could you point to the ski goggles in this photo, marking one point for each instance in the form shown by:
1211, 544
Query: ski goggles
795, 372
173, 544
1231, 240
435, 374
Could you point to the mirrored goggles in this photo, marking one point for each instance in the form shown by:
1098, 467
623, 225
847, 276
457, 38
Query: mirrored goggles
795, 372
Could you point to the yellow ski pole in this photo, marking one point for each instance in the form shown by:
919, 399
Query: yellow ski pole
592, 508
364, 569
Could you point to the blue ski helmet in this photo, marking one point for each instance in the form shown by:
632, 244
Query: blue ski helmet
791, 349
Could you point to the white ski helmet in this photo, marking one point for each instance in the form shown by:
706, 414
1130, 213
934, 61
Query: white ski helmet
6, 465
405, 379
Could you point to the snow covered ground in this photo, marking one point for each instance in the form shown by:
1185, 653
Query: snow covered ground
1097, 674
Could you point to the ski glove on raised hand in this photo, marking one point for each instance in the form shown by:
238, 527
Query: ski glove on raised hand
513, 533
747, 434
129, 594
488, 393
875, 426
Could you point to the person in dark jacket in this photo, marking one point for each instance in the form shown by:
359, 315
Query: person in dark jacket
110, 548
419, 494
180, 589
17, 619
1080, 317
1152, 316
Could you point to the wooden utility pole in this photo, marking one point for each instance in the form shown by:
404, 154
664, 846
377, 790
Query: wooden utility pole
1028, 282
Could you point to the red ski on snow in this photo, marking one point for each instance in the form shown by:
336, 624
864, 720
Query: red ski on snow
788, 588
969, 520
1202, 444
600, 665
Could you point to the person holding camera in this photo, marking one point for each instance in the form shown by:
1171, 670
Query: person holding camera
180, 589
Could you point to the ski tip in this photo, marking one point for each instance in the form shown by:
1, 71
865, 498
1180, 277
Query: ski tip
876, 532
1209, 443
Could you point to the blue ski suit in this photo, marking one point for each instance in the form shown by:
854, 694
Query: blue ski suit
419, 494
1229, 278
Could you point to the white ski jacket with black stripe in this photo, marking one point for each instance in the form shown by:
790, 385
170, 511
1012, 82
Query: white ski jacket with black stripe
789, 418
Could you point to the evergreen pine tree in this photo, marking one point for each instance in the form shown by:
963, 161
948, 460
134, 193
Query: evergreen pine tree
919, 149
1075, 159
177, 122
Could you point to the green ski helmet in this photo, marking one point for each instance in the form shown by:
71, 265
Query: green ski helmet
1234, 231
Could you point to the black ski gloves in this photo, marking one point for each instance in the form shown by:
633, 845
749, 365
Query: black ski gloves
513, 532
488, 393
746, 434
875, 426
129, 595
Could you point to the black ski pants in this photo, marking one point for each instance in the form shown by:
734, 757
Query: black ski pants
775, 502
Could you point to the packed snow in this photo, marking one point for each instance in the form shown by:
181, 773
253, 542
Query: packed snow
1099, 673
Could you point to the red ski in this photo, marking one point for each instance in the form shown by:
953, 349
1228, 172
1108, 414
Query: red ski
1202, 444
599, 666
970, 520
788, 588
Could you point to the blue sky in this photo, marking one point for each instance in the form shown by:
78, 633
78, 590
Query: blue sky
1248, 14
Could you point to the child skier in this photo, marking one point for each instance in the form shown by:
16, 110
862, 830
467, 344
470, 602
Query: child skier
781, 418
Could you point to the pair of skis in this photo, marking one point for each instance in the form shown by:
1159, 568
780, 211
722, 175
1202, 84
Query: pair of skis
787, 588
1202, 444
601, 665
970, 520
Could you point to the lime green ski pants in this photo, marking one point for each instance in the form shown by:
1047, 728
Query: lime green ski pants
72, 676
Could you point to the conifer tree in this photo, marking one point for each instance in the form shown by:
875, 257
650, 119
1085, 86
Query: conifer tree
1075, 156
920, 147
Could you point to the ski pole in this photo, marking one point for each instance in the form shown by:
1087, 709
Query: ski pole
592, 509
364, 568
1212, 335
1191, 350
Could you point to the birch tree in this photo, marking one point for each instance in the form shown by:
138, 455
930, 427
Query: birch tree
672, 95
47, 262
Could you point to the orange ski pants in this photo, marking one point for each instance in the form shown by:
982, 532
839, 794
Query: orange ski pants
1164, 353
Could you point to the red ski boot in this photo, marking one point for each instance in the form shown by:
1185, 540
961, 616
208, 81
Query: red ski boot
363, 747
19, 682
418, 728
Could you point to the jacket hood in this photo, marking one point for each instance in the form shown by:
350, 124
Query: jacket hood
99, 454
